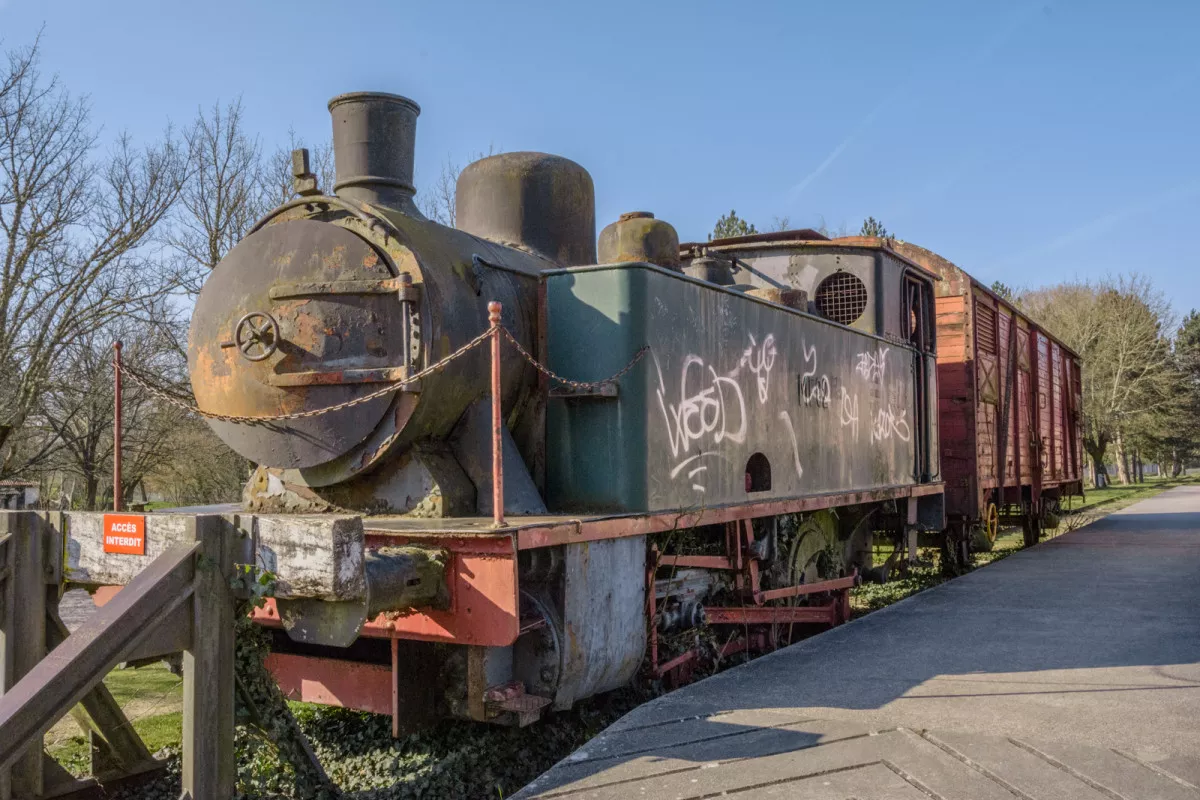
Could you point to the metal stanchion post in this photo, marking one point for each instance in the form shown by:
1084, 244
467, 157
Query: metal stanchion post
117, 426
497, 441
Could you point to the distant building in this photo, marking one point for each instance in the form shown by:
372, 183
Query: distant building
16, 495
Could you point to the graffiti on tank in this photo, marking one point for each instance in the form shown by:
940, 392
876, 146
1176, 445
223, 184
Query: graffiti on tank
848, 412
813, 390
871, 364
759, 359
888, 424
711, 407
787, 419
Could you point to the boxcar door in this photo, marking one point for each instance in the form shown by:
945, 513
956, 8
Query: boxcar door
918, 310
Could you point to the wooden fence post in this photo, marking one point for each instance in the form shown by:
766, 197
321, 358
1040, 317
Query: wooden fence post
208, 675
9, 525
23, 638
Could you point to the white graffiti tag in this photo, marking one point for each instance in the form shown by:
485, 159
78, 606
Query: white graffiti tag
760, 360
888, 423
848, 412
710, 406
783, 415
813, 390
871, 364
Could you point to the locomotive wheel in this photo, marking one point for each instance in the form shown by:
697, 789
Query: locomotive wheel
815, 553
983, 537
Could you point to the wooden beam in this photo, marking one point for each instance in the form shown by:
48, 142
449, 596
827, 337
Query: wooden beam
102, 708
208, 675
24, 637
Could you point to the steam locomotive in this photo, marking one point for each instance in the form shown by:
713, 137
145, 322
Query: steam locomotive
782, 417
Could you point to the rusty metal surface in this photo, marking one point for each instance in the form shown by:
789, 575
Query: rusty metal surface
442, 279
452, 312
833, 585
805, 240
550, 530
333, 682
638, 236
347, 331
494, 311
482, 606
796, 234
827, 614
603, 617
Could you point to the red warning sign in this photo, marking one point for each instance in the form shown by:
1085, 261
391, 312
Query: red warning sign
125, 533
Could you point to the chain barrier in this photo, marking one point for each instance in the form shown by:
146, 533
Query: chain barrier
391, 388
574, 384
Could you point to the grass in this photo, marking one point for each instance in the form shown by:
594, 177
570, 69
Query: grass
150, 696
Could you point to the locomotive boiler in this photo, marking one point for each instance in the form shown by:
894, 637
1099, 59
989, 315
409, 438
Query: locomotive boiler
707, 435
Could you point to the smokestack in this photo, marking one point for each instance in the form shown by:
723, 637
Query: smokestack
374, 138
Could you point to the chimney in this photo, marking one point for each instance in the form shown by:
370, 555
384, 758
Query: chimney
374, 138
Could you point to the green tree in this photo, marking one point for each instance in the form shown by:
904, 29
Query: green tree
1004, 290
1178, 439
873, 227
1187, 346
731, 225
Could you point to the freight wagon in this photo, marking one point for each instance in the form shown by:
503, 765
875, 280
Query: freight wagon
1010, 403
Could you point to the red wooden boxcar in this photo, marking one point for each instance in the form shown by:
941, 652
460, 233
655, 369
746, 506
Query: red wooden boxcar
1008, 395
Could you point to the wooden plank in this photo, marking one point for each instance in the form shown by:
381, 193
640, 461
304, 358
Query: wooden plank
314, 556
88, 564
103, 710
10, 524
28, 636
208, 679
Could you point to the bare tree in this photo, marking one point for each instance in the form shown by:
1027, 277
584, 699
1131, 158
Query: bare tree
438, 201
211, 472
77, 408
276, 184
224, 192
73, 233
825, 229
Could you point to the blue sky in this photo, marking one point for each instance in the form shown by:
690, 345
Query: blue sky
1027, 142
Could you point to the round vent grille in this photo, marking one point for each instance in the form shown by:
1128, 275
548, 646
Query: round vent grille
841, 297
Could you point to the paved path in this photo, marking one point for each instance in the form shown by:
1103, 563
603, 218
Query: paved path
1070, 670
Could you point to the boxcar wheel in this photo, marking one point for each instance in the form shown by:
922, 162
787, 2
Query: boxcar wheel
1051, 516
983, 533
1031, 525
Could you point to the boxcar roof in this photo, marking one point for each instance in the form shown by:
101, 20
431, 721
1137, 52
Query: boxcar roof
805, 237
932, 261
